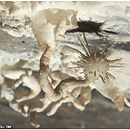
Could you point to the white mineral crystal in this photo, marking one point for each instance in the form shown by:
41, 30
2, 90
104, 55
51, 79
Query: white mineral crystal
57, 71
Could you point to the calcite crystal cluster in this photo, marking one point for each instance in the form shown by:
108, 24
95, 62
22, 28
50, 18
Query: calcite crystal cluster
66, 71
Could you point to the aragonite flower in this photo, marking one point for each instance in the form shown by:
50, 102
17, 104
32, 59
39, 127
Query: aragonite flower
95, 62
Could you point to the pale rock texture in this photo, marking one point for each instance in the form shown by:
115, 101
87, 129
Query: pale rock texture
54, 71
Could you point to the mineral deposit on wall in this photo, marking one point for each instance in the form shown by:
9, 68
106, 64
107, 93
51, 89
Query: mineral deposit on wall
62, 51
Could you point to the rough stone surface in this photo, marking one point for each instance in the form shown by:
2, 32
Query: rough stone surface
100, 112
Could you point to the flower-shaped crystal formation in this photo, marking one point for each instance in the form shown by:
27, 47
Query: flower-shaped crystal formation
95, 62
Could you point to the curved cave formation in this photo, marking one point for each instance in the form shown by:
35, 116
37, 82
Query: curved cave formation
65, 60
